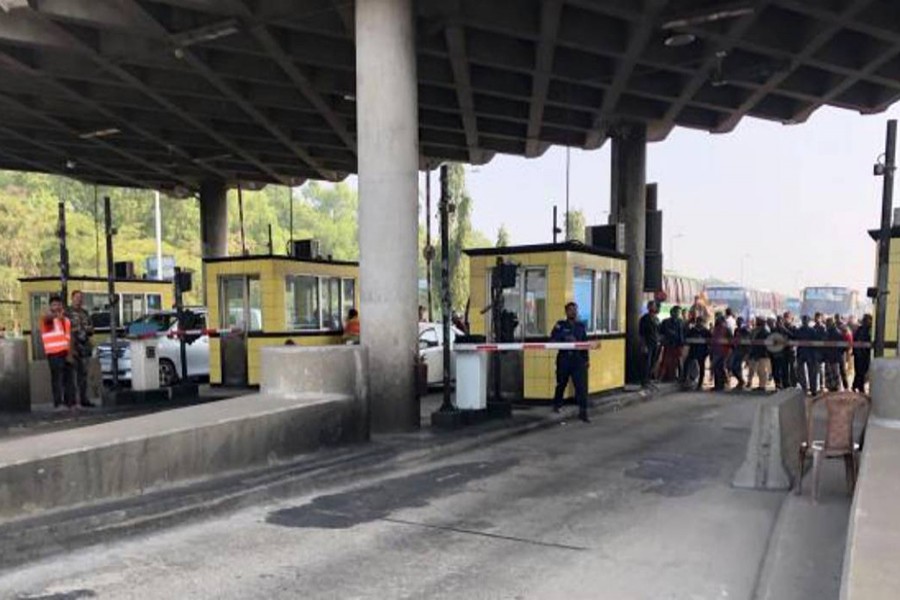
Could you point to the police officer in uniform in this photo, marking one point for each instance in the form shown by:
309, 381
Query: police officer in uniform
571, 364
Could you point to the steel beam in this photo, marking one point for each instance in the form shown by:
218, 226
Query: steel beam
551, 13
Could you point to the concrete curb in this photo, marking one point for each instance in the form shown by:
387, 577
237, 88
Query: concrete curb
32, 538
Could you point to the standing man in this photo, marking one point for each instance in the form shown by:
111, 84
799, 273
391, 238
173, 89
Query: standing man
671, 331
806, 357
648, 329
56, 335
571, 364
760, 363
82, 332
862, 357
719, 351
699, 351
789, 330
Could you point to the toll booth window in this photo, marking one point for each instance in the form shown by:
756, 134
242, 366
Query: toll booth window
154, 303
535, 302
132, 307
583, 285
331, 304
349, 291
302, 302
608, 302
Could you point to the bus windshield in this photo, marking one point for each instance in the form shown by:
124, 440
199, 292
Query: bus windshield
827, 300
734, 298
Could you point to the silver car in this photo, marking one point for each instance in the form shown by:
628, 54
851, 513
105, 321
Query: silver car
168, 349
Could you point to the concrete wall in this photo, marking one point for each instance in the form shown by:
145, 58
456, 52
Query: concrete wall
297, 371
873, 539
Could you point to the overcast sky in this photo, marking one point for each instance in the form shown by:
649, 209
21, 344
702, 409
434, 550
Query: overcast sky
794, 201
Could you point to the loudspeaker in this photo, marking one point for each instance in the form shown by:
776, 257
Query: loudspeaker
124, 270
654, 231
308, 249
606, 237
184, 280
652, 203
653, 271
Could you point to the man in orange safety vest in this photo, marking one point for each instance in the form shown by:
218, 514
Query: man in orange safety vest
56, 335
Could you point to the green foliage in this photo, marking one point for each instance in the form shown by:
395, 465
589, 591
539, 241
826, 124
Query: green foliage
575, 222
502, 237
327, 212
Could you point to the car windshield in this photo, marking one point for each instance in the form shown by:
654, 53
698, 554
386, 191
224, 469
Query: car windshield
155, 323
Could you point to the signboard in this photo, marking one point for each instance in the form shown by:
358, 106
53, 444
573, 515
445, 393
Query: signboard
168, 267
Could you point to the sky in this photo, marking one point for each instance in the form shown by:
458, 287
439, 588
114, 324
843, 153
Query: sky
790, 205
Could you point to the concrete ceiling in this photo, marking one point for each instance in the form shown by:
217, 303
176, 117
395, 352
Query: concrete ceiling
165, 93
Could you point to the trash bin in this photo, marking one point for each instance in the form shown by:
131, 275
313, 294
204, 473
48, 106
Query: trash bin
471, 375
15, 392
144, 364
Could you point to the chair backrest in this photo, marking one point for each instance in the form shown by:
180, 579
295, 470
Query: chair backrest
842, 408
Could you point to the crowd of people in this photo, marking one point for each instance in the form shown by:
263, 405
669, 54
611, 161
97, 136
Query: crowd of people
822, 352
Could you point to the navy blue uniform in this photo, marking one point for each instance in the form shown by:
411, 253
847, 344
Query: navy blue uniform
571, 364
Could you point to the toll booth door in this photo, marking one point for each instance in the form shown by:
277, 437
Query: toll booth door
240, 300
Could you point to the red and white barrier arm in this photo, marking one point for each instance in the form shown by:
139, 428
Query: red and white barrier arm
526, 346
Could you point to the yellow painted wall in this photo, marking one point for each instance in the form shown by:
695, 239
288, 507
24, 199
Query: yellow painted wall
272, 273
607, 370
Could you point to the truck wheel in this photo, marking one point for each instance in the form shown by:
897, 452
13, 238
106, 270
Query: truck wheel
168, 374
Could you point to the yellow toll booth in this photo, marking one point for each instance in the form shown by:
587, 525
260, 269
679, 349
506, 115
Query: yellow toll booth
136, 298
258, 301
550, 275
892, 325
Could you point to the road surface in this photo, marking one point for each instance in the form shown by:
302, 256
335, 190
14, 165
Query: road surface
636, 505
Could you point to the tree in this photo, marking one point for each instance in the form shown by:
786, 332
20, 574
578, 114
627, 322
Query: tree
575, 224
502, 237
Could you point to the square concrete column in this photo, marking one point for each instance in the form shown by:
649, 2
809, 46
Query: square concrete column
629, 206
213, 219
388, 143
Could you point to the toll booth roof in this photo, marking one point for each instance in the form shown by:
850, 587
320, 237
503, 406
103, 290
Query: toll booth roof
535, 248
875, 233
280, 257
91, 279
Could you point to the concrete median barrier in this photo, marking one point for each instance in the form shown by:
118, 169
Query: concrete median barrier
779, 426
294, 415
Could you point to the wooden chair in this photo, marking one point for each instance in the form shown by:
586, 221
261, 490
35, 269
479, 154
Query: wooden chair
839, 442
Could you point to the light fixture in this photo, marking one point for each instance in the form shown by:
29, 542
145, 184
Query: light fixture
349, 97
733, 11
99, 133
678, 40
207, 33
71, 164
8, 5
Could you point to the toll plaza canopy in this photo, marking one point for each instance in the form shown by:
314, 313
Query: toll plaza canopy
165, 94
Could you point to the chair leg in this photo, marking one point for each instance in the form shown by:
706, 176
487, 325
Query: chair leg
817, 463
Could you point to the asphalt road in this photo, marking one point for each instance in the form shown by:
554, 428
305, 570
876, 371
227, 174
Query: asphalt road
636, 505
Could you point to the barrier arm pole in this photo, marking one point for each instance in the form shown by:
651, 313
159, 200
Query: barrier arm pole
447, 404
111, 288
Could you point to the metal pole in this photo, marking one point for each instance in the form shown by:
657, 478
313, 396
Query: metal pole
241, 218
179, 310
159, 265
884, 236
446, 405
428, 256
568, 233
96, 232
63, 255
555, 228
291, 204
111, 289
271, 248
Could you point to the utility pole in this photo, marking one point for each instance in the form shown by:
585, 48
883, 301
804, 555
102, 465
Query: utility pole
884, 236
63, 255
111, 288
429, 251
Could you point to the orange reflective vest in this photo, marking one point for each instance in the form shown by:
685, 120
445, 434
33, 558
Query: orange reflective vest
57, 336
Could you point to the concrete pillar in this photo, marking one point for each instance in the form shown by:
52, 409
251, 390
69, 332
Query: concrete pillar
629, 205
213, 219
388, 145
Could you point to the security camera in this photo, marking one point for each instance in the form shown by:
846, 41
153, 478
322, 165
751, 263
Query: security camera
879, 170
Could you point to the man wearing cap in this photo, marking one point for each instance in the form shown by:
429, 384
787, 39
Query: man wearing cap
571, 364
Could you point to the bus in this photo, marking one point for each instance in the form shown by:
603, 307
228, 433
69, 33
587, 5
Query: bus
830, 300
678, 290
